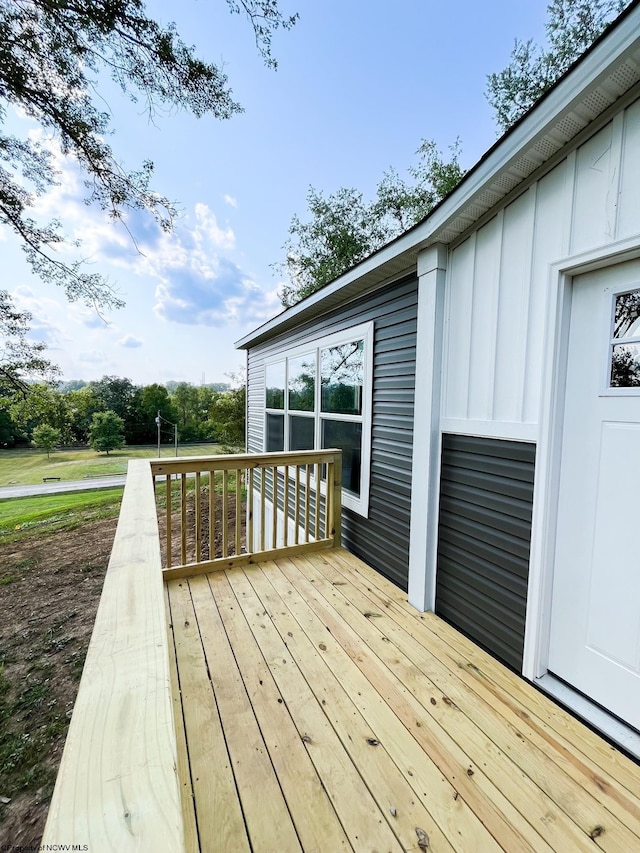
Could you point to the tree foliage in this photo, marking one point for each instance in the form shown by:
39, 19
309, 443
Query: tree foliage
106, 432
571, 27
343, 228
47, 438
51, 55
20, 358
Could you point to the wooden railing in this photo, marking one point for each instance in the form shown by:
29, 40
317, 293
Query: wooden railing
217, 511
117, 788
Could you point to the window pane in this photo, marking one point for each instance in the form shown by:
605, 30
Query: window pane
275, 433
625, 366
302, 382
275, 376
348, 438
301, 433
626, 322
342, 378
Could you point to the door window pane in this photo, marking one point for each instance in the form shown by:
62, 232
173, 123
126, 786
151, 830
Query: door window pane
301, 433
626, 321
346, 436
342, 378
625, 366
302, 382
274, 381
275, 433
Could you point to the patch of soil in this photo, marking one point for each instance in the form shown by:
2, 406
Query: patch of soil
50, 587
49, 592
190, 529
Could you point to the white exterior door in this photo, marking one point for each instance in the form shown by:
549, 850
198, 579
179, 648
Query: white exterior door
595, 617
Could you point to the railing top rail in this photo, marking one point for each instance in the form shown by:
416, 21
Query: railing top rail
230, 462
121, 747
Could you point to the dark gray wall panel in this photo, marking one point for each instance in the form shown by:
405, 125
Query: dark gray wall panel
382, 539
484, 538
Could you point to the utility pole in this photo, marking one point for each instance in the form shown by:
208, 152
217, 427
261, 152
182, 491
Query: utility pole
159, 420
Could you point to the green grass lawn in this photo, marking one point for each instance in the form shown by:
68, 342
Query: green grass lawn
45, 513
27, 467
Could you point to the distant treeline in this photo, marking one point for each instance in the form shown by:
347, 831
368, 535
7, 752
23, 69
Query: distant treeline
213, 412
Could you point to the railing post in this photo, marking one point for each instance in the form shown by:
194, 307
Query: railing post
336, 500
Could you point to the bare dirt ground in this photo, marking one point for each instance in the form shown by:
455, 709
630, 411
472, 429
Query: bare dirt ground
49, 592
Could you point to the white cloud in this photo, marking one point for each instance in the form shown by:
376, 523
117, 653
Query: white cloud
42, 325
197, 282
230, 200
130, 341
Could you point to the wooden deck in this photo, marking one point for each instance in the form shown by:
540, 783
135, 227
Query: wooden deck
316, 710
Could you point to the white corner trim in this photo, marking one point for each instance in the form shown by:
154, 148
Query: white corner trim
425, 468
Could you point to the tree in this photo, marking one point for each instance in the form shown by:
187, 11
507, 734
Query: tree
105, 432
46, 437
344, 228
117, 394
43, 404
51, 56
571, 27
20, 358
83, 403
228, 416
148, 401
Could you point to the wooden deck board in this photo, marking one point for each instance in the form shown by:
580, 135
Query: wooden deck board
538, 787
309, 686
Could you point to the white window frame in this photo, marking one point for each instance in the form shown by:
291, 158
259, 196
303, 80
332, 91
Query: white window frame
364, 331
608, 312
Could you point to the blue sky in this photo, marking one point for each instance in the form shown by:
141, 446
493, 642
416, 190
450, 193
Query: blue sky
359, 85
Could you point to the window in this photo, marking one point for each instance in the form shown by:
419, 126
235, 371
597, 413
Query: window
318, 395
624, 348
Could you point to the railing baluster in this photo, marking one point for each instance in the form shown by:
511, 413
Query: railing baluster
263, 484
274, 520
169, 543
307, 502
285, 505
212, 514
249, 510
238, 512
336, 502
183, 518
198, 519
316, 532
225, 513
296, 514
328, 506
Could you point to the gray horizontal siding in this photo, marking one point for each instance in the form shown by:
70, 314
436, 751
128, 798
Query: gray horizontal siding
484, 535
382, 539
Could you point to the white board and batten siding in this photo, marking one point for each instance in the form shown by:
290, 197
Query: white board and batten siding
499, 280
513, 287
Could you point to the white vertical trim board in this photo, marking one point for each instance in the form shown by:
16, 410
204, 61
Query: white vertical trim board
425, 476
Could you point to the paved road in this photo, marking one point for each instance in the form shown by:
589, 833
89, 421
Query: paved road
63, 486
